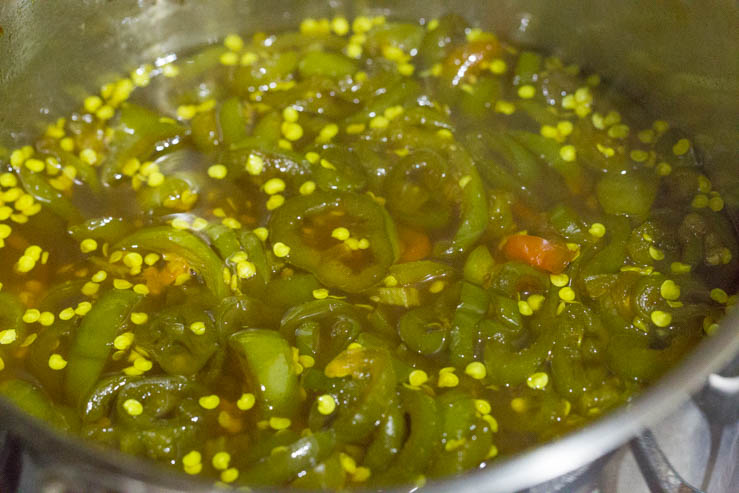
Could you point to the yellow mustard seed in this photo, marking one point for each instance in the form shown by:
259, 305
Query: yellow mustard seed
197, 328
700, 201
279, 423
535, 301
291, 130
254, 164
447, 379
306, 361
320, 293
559, 280
715, 203
406, 69
35, 165
89, 156
31, 315
261, 233
123, 341
340, 234
221, 460
273, 186
355, 128
246, 269
5, 212
34, 251
142, 364
505, 107
598, 230
307, 187
519, 405
348, 463
66, 314
656, 253
669, 290
151, 258
8, 180
476, 370
192, 458
538, 380
217, 171
155, 179
417, 377
493, 452
354, 50
46, 319
340, 26
246, 401
436, 286
5, 231
133, 407
105, 112
180, 223
290, 114
8, 336
23, 203
141, 289
56, 362
680, 268
139, 318
233, 42
482, 406
498, 66
209, 401
275, 201
25, 264
491, 421
361, 474
131, 259
362, 24
524, 308
326, 404
17, 158
719, 296
660, 318
681, 147
526, 92
19, 218
122, 284
549, 132
663, 169
230, 475
231, 222
229, 59
379, 122
568, 153
567, 294
92, 103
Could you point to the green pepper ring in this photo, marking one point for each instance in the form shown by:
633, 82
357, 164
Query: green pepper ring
372, 222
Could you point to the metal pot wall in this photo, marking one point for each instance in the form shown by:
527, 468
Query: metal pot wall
678, 58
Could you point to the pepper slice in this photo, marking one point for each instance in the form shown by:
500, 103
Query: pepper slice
315, 226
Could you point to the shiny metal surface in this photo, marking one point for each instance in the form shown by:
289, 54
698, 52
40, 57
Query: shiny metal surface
680, 58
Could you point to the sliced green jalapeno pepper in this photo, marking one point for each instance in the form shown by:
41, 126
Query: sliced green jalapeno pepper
267, 361
308, 224
200, 256
92, 342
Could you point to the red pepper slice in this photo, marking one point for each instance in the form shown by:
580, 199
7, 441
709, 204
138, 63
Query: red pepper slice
538, 252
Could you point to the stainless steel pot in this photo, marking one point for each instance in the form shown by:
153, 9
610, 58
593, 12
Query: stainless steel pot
677, 57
